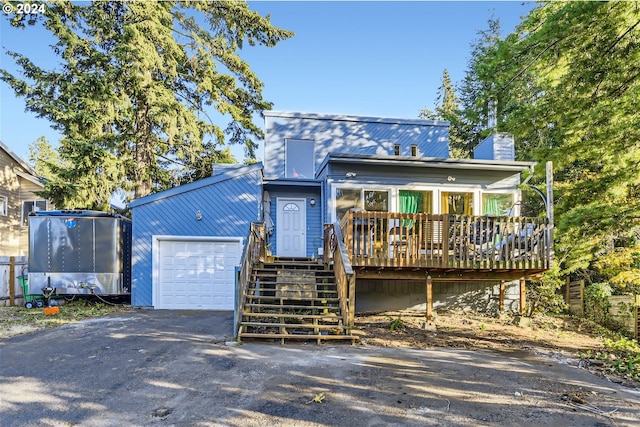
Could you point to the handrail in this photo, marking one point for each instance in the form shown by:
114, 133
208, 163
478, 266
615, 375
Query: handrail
253, 251
392, 239
345, 279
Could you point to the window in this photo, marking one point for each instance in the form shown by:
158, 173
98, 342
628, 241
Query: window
499, 204
457, 203
369, 200
396, 150
414, 150
4, 206
299, 159
376, 201
32, 206
416, 201
347, 198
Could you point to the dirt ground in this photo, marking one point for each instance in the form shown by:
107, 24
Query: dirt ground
156, 367
558, 338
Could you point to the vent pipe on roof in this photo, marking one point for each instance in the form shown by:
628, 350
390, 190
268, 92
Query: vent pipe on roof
492, 119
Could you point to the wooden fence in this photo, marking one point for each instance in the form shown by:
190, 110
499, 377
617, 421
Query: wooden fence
622, 309
10, 269
575, 297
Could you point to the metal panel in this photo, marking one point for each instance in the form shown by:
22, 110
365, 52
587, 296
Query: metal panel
352, 135
79, 253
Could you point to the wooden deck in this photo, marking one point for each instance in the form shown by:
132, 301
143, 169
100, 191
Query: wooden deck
381, 244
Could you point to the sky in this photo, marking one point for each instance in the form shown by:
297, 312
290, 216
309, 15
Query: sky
362, 58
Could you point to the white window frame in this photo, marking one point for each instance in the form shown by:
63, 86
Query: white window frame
4, 206
34, 203
313, 156
391, 192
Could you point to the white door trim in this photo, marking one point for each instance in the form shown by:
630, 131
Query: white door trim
155, 259
281, 201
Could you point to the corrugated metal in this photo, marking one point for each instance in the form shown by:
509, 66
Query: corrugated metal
352, 135
227, 207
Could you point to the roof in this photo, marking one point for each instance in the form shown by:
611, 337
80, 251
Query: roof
78, 213
30, 174
220, 174
349, 118
427, 162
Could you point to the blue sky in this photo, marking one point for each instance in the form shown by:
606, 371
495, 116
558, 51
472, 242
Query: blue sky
359, 58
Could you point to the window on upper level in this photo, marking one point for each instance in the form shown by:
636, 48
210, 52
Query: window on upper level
414, 150
29, 206
4, 206
299, 159
396, 150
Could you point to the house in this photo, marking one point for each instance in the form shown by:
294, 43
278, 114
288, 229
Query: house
18, 186
377, 201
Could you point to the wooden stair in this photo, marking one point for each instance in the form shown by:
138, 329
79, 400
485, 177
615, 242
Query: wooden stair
292, 299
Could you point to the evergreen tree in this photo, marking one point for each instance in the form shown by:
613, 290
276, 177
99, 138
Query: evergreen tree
447, 109
568, 81
479, 89
136, 88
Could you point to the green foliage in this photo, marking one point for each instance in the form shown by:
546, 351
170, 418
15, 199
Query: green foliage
138, 90
543, 296
621, 356
397, 324
566, 83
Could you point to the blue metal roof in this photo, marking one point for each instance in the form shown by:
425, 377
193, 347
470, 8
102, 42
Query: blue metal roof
226, 173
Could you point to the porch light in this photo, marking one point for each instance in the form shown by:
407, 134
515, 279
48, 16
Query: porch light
312, 202
198, 215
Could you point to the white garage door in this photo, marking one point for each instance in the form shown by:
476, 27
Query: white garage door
196, 275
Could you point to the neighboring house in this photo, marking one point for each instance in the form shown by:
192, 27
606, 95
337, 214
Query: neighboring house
381, 190
18, 185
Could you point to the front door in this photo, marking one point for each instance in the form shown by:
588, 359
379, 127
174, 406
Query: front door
291, 227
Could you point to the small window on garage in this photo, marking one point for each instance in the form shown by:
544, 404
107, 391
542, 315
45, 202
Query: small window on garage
29, 206
4, 205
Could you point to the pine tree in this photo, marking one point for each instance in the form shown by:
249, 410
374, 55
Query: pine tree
568, 81
137, 86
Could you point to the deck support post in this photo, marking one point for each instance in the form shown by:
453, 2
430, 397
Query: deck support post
501, 303
523, 296
429, 308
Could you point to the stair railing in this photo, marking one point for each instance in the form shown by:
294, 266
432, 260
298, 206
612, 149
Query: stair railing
335, 249
254, 251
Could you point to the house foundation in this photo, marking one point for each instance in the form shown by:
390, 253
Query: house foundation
392, 295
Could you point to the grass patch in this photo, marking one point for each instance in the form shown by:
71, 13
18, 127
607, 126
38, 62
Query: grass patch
15, 320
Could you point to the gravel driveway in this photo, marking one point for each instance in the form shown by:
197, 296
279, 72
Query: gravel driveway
173, 368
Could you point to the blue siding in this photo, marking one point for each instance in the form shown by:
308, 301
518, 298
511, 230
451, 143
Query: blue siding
315, 227
228, 206
498, 146
350, 135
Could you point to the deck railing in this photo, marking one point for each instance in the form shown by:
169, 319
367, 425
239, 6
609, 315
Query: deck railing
390, 239
335, 249
254, 251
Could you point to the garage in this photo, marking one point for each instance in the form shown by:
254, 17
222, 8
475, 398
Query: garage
195, 273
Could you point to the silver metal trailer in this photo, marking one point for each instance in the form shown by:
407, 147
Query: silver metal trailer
79, 252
